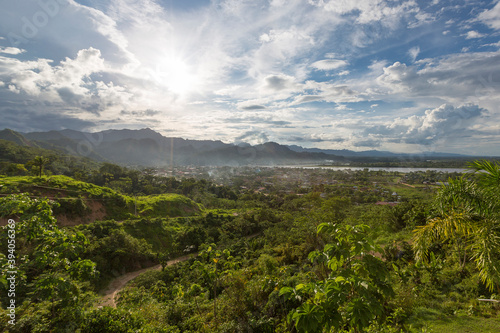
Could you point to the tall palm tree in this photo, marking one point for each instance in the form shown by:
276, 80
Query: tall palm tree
39, 162
468, 216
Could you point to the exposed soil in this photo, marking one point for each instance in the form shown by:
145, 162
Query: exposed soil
116, 285
97, 210
98, 213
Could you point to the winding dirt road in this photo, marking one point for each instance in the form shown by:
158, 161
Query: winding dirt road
117, 284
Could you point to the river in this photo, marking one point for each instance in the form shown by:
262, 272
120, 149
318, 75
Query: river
391, 169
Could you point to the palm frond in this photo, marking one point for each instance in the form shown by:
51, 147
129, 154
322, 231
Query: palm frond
489, 173
485, 248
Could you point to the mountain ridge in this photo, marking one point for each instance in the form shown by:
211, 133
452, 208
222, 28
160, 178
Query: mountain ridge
146, 147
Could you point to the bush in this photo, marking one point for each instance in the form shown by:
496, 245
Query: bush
110, 320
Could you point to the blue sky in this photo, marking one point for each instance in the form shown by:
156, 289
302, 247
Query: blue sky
404, 76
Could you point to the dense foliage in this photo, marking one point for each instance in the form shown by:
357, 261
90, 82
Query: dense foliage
273, 250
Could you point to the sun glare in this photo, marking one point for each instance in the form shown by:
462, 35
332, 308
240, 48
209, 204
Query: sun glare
176, 75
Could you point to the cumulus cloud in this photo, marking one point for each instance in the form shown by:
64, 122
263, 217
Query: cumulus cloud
473, 34
71, 83
458, 78
252, 137
11, 50
279, 82
443, 123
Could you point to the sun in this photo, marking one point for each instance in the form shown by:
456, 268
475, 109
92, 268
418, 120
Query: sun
176, 75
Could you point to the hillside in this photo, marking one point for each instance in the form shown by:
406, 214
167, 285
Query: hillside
58, 161
81, 203
17, 138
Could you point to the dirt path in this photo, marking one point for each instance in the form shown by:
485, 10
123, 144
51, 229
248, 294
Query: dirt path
117, 284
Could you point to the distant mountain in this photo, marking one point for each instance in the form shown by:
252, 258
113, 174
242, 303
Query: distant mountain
10, 135
370, 153
125, 134
146, 147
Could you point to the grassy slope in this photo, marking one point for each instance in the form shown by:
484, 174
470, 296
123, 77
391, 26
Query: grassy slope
432, 320
117, 206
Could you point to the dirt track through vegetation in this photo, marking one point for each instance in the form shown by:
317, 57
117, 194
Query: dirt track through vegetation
117, 284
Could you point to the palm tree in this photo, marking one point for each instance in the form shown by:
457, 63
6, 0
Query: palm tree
39, 162
468, 216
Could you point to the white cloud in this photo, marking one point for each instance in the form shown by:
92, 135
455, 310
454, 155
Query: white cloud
369, 11
413, 53
458, 78
68, 83
491, 17
473, 34
11, 50
277, 48
280, 82
329, 64
443, 123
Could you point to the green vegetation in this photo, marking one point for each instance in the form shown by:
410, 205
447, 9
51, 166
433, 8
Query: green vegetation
469, 214
17, 160
166, 205
277, 250
78, 199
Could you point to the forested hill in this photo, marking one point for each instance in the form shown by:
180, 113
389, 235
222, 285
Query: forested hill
146, 147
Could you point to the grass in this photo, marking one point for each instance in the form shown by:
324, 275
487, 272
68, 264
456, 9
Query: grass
410, 192
163, 205
66, 185
432, 320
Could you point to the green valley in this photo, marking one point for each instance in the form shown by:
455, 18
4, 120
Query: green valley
271, 250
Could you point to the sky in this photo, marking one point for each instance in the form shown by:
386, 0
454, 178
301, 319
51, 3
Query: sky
403, 76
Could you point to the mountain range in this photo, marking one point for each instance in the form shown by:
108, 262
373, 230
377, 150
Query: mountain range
146, 147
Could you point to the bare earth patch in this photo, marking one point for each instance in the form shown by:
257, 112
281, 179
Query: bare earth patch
117, 284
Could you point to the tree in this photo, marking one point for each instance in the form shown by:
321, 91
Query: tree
356, 287
51, 274
15, 169
38, 163
213, 265
468, 216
